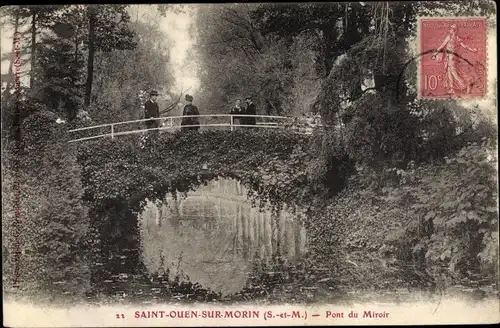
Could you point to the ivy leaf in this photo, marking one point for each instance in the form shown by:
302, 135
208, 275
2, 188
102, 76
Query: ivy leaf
462, 217
473, 216
445, 255
430, 215
449, 205
492, 209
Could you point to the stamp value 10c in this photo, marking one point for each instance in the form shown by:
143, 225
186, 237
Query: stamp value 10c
453, 57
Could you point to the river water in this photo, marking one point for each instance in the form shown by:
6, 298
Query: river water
214, 237
212, 245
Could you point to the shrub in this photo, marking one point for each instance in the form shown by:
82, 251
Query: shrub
53, 222
428, 223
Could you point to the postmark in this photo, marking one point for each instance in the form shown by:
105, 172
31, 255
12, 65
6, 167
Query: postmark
453, 64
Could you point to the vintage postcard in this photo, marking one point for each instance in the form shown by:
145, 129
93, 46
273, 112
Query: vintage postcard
250, 164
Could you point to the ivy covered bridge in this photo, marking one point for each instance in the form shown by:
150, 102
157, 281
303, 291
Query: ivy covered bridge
125, 173
180, 161
122, 171
127, 162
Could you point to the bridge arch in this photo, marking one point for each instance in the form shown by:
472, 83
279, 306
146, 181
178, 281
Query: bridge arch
129, 168
120, 175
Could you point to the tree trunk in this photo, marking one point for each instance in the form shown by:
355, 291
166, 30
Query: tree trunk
380, 81
11, 64
408, 16
330, 49
90, 59
389, 83
33, 50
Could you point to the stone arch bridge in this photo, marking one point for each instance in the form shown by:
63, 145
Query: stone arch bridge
122, 179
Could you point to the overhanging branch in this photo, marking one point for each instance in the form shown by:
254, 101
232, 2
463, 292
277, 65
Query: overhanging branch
174, 104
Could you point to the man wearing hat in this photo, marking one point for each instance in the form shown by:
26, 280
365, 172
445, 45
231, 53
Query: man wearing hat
189, 110
151, 110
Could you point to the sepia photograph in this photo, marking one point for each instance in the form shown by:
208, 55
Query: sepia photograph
249, 164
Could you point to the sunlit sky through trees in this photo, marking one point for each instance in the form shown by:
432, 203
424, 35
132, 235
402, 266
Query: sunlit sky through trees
179, 31
175, 26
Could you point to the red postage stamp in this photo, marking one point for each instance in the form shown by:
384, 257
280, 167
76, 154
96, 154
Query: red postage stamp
452, 57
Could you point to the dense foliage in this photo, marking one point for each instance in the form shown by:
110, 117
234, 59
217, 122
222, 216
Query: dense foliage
122, 76
51, 227
430, 224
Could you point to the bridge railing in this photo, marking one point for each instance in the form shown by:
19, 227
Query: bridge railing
207, 121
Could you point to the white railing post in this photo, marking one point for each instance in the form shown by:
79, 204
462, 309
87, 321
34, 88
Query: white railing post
171, 122
232, 123
112, 132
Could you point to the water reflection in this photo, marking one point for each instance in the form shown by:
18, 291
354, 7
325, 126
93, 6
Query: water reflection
213, 236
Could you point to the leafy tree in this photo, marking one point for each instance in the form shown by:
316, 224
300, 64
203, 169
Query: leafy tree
232, 49
334, 27
12, 16
11, 119
122, 75
381, 125
60, 64
107, 30
40, 17
61, 69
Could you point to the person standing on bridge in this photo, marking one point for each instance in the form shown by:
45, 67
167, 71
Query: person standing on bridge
237, 110
152, 111
250, 110
191, 122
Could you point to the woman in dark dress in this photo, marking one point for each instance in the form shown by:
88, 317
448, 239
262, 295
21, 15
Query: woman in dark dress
191, 122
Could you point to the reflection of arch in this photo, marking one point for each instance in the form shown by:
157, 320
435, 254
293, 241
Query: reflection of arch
223, 258
256, 233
